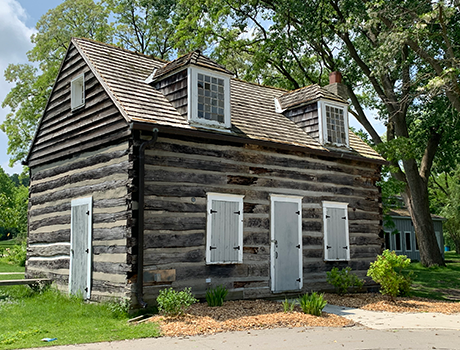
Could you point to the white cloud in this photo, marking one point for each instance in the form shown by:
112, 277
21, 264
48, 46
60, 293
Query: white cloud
14, 43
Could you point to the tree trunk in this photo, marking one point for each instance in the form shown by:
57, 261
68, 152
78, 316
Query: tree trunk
417, 201
457, 246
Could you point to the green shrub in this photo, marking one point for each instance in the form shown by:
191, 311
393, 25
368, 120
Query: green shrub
173, 303
387, 271
288, 306
312, 304
216, 296
344, 279
16, 254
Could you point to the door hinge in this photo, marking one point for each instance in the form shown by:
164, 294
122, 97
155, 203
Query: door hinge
87, 250
344, 217
87, 212
328, 247
237, 212
298, 246
298, 212
346, 247
327, 216
298, 279
86, 289
212, 211
211, 247
276, 255
236, 248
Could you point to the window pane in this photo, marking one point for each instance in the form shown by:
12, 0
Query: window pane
210, 97
335, 124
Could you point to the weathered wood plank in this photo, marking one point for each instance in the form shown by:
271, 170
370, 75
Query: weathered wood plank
174, 239
121, 168
80, 191
49, 237
80, 163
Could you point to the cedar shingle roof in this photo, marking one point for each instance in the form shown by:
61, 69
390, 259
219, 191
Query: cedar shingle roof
307, 94
123, 74
195, 58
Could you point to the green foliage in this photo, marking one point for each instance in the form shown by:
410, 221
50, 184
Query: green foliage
312, 304
344, 279
216, 296
119, 307
15, 255
28, 97
387, 271
13, 207
173, 303
288, 306
144, 26
32, 316
445, 201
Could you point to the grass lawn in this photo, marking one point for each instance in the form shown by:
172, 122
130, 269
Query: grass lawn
437, 282
8, 243
27, 317
6, 267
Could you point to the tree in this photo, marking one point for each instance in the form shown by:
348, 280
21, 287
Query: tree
144, 26
27, 99
13, 205
445, 192
374, 45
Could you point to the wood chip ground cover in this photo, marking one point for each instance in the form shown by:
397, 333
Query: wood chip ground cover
241, 315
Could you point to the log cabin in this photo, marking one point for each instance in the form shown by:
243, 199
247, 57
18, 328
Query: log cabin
148, 174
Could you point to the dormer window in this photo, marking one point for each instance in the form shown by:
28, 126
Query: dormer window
209, 98
334, 121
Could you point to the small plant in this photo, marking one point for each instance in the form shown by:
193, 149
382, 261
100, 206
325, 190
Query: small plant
173, 303
288, 306
387, 271
313, 303
216, 296
119, 307
344, 279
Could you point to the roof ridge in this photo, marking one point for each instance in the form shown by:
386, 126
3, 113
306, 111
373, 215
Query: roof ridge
260, 85
113, 46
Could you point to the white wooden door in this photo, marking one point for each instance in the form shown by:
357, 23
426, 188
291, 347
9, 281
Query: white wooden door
80, 247
286, 243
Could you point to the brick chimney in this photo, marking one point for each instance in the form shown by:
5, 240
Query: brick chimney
335, 77
335, 85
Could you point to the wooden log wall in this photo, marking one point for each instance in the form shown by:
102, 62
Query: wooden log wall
76, 154
179, 173
104, 175
63, 132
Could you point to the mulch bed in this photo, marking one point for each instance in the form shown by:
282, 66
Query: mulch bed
246, 315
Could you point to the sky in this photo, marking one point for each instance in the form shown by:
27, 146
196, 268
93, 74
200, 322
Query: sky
17, 24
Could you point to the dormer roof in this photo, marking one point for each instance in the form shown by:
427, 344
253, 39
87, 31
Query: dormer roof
195, 58
306, 95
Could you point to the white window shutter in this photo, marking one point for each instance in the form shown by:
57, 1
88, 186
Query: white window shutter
336, 235
224, 244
